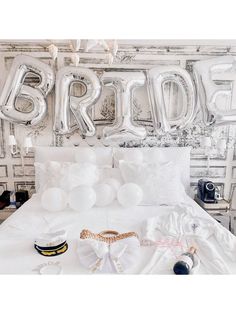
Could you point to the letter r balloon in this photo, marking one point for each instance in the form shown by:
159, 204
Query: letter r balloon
78, 106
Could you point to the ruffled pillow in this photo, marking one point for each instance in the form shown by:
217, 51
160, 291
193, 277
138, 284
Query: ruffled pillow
50, 173
66, 175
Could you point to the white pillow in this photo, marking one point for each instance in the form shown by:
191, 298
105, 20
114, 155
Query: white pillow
67, 154
180, 156
107, 173
65, 175
50, 173
161, 183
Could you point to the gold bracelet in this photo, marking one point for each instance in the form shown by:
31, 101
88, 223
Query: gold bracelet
104, 235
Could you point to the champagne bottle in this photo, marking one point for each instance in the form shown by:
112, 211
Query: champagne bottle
185, 262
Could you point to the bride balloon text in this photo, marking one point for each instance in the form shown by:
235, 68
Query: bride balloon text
72, 112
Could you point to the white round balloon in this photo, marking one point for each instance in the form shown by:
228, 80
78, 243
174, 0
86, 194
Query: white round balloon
54, 199
82, 198
130, 194
85, 174
133, 155
105, 194
85, 154
114, 183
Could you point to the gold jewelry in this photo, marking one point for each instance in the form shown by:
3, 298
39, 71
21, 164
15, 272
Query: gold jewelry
108, 236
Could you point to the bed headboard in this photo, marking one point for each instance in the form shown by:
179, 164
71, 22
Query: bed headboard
43, 154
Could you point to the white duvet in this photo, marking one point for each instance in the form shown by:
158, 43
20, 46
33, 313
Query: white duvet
166, 232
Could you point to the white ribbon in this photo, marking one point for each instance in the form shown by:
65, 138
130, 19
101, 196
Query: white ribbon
53, 50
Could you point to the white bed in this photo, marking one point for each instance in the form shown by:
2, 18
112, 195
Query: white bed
18, 232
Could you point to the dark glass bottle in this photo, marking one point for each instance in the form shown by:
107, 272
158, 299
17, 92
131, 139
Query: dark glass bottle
185, 262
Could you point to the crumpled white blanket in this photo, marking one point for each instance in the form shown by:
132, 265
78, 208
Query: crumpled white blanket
184, 226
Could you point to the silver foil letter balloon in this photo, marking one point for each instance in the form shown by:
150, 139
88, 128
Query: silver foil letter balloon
124, 84
157, 78
77, 105
15, 88
216, 98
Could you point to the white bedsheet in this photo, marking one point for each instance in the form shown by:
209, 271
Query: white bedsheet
18, 232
